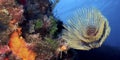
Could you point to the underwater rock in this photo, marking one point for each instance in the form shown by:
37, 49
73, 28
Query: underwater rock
86, 29
32, 38
4, 19
35, 9
10, 15
7, 2
31, 27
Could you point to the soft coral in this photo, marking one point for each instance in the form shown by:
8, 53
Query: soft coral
19, 46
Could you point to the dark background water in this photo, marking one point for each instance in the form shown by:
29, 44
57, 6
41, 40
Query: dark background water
110, 50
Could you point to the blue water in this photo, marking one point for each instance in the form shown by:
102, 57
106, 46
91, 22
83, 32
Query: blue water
109, 8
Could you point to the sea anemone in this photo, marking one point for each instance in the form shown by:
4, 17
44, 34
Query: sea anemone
87, 28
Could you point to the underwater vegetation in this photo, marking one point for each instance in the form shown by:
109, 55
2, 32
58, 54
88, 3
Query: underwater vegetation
29, 31
26, 39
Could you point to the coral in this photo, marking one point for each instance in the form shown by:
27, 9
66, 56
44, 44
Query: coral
19, 47
46, 26
10, 14
38, 27
44, 45
33, 38
41, 8
7, 2
31, 26
46, 49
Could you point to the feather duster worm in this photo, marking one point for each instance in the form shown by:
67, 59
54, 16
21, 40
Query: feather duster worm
19, 47
86, 29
